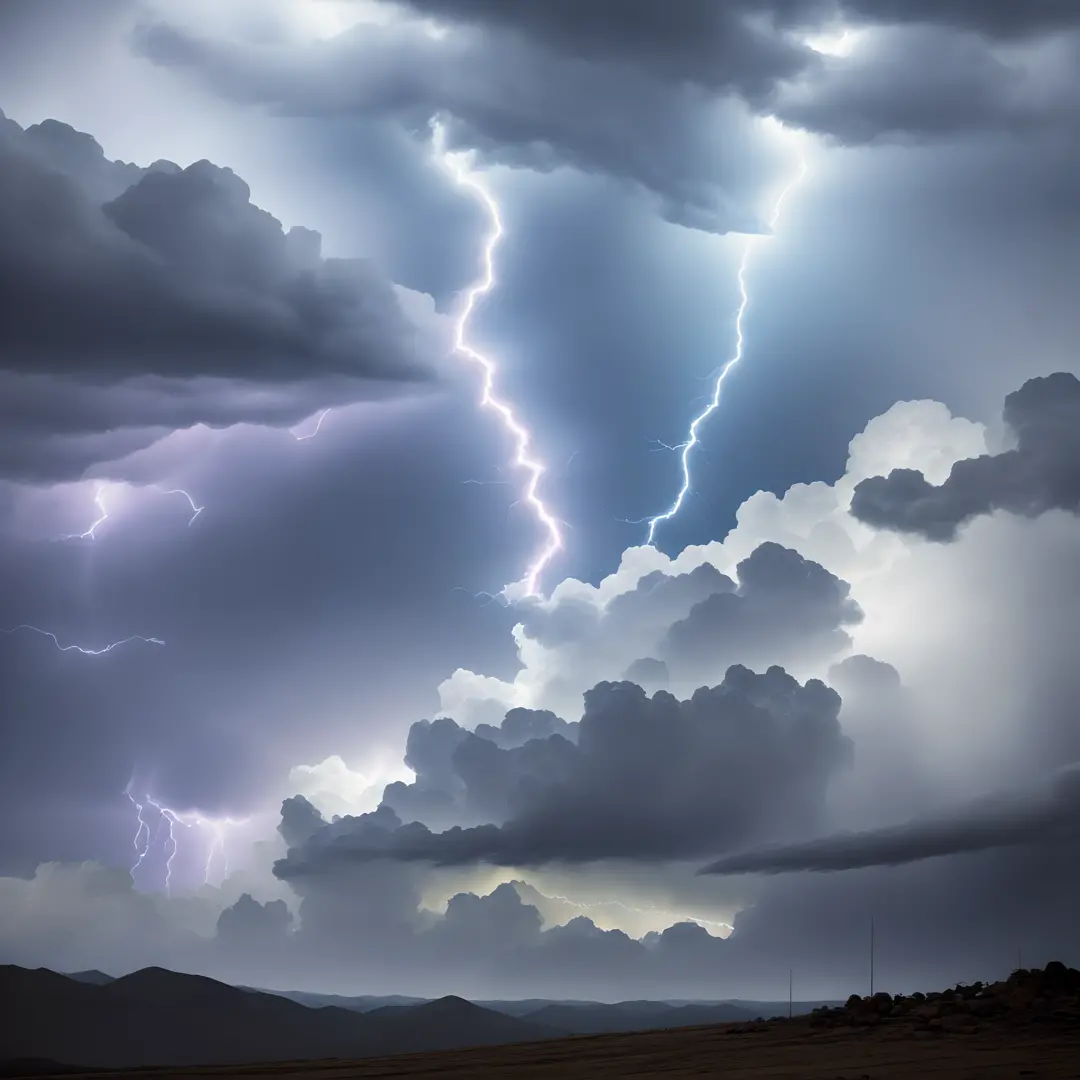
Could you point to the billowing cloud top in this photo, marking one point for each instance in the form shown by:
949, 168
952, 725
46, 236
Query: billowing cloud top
1042, 473
140, 300
648, 778
178, 274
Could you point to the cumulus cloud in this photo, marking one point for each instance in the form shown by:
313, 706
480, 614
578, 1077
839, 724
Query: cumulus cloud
178, 275
1042, 473
669, 630
955, 691
1006, 820
649, 778
140, 300
786, 610
463, 776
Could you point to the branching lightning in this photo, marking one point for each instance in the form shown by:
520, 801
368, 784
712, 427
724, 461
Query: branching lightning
692, 440
103, 516
81, 648
457, 164
91, 533
169, 819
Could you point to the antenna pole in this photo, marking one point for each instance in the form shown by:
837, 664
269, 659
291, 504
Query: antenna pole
789, 986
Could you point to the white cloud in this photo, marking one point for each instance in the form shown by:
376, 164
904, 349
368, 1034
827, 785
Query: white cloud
811, 518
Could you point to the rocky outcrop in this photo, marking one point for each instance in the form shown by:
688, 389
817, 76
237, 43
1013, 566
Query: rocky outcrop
1049, 995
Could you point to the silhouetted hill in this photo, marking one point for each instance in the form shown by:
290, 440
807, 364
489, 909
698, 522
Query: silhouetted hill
442, 1020
361, 1003
634, 1016
93, 977
159, 1017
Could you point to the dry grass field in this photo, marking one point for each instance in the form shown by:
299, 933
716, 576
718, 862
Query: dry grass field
780, 1050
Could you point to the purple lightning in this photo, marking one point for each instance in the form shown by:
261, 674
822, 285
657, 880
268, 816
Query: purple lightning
169, 819
90, 534
457, 164
195, 510
80, 648
99, 500
744, 302
140, 852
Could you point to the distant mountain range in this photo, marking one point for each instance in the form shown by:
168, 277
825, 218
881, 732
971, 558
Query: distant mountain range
159, 1017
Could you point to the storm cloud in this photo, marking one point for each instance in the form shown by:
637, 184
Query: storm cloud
1043, 816
649, 778
137, 301
178, 275
1042, 473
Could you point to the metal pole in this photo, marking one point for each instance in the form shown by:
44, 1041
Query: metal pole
789, 985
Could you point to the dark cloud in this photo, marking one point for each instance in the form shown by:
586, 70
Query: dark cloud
787, 610
520, 100
649, 778
1008, 820
1042, 473
919, 82
178, 275
138, 301
712, 45
997, 18
519, 726
657, 600
464, 776
552, 84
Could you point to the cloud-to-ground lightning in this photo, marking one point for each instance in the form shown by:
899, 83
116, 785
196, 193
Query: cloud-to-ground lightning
457, 164
169, 819
81, 648
692, 440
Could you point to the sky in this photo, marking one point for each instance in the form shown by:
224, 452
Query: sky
308, 683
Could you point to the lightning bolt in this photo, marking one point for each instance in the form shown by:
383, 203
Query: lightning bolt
168, 818
196, 510
457, 164
91, 533
80, 648
99, 500
217, 844
311, 434
171, 819
740, 341
140, 853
